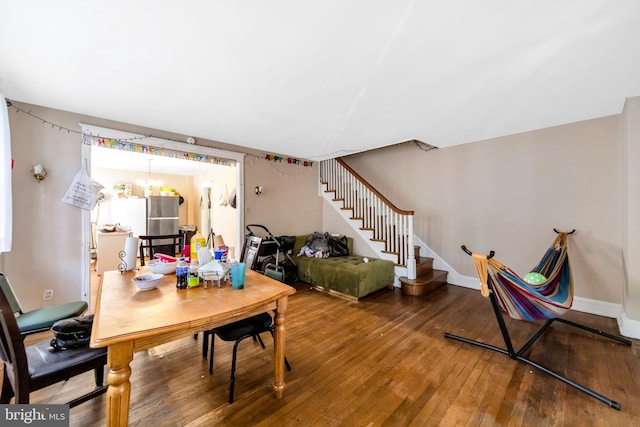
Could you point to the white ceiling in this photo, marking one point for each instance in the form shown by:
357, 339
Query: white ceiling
318, 79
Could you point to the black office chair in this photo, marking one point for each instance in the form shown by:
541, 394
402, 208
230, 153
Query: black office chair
27, 369
238, 331
40, 319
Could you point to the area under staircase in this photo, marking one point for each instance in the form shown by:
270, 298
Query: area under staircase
388, 229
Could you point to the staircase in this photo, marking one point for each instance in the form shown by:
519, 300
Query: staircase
427, 279
388, 229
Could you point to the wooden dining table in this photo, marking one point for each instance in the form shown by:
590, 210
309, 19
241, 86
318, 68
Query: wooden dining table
128, 320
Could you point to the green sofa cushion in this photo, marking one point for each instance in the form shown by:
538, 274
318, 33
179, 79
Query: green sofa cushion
348, 275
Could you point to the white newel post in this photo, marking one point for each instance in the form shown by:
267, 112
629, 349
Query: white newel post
411, 260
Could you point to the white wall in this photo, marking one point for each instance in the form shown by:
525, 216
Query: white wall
334, 223
223, 217
631, 207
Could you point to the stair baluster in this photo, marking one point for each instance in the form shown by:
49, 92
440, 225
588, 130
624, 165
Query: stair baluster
388, 223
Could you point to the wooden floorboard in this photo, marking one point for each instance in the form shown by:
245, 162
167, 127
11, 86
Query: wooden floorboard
382, 361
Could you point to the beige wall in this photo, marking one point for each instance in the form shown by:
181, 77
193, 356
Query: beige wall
507, 194
289, 203
46, 249
504, 194
47, 246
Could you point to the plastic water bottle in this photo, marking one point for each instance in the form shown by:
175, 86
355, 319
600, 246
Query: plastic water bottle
193, 279
182, 270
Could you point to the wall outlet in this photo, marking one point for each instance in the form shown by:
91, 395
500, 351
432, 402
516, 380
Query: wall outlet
48, 295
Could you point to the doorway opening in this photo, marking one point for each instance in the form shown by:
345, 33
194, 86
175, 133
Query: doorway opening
134, 158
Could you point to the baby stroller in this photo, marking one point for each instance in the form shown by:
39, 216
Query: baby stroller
270, 255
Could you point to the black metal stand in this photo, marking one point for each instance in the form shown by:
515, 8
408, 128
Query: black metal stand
210, 237
518, 355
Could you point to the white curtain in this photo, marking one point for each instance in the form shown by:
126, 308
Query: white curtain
5, 178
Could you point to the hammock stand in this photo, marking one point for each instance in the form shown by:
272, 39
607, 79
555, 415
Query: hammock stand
556, 263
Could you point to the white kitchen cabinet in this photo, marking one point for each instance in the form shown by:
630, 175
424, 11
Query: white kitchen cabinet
108, 248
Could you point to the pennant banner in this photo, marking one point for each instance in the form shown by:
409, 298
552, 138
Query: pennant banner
148, 149
291, 160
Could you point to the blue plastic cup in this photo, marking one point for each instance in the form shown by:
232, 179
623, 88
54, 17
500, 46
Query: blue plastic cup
237, 275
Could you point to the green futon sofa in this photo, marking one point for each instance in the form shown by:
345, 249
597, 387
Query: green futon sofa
348, 275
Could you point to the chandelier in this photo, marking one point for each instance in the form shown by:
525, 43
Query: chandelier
149, 183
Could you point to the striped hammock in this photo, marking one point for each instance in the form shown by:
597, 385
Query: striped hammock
524, 301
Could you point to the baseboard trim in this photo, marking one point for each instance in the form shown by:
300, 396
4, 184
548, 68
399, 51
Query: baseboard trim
464, 281
628, 327
600, 308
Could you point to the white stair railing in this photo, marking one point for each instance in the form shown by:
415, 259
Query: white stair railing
387, 223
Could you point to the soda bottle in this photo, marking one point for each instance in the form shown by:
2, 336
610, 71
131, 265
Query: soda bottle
182, 269
193, 279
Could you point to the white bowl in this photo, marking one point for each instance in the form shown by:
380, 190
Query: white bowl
144, 282
157, 266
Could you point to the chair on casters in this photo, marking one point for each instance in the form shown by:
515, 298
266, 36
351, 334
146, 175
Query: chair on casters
39, 319
27, 369
238, 331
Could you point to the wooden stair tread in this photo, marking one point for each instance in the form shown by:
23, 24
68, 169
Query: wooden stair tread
423, 264
425, 282
425, 277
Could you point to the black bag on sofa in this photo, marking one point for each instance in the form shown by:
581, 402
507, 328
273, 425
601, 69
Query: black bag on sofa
72, 333
338, 246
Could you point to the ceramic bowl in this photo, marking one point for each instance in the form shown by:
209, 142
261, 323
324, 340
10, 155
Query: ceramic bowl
157, 266
144, 282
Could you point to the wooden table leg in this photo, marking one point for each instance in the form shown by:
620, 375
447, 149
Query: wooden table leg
279, 352
119, 392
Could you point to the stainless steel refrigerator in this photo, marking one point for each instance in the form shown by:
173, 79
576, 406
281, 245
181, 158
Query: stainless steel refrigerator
162, 215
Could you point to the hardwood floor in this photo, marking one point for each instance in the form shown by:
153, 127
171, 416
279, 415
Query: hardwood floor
382, 361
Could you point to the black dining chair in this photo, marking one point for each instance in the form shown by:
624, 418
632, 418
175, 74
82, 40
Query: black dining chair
39, 319
169, 244
30, 368
238, 331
